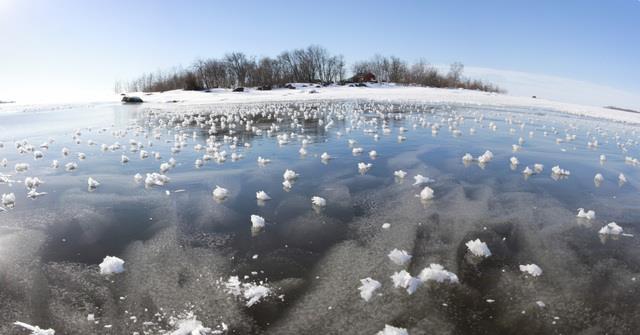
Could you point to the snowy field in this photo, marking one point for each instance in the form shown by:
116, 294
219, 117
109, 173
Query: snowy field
380, 210
377, 92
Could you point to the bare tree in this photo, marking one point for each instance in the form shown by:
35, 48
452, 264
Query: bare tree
239, 65
312, 64
455, 72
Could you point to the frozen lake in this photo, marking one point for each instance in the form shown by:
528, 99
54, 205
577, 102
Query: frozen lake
182, 247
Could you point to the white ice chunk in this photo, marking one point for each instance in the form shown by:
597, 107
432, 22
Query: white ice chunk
560, 172
589, 215
257, 221
35, 330
318, 201
262, 195
400, 257
436, 272
253, 293
369, 285
8, 199
155, 179
92, 183
111, 264
190, 326
400, 174
391, 330
531, 269
420, 179
405, 280
611, 228
478, 248
290, 175
426, 193
220, 193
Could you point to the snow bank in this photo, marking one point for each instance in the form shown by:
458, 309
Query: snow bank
394, 93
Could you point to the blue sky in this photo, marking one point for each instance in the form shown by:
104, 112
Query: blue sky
68, 45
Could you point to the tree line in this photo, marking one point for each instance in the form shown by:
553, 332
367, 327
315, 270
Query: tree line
313, 64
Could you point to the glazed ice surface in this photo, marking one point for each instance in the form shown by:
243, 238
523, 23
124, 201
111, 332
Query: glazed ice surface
493, 247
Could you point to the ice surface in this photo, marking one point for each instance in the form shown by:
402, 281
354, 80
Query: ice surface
181, 249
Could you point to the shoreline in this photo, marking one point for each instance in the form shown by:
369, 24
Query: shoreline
376, 92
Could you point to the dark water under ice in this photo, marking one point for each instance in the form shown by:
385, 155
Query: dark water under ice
180, 248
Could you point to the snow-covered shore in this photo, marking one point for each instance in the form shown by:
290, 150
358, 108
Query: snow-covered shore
387, 93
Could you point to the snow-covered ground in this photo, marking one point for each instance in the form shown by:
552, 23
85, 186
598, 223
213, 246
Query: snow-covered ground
384, 92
